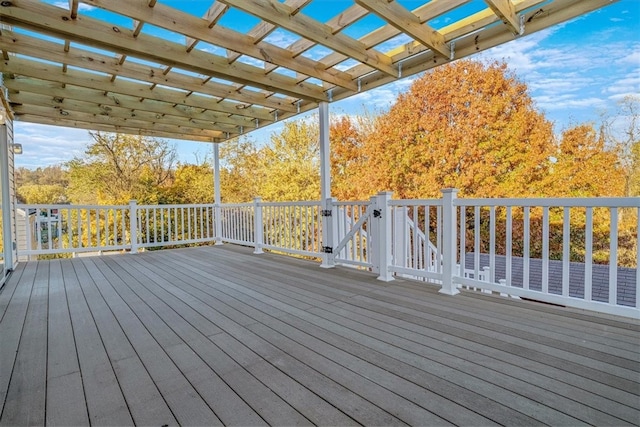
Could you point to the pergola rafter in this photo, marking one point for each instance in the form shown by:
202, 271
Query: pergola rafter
206, 80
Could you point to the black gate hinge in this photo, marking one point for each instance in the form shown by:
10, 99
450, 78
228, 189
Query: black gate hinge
327, 249
325, 212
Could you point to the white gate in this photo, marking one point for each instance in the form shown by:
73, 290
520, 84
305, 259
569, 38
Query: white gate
354, 234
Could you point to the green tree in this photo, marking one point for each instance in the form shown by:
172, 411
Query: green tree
191, 184
117, 168
290, 163
42, 194
241, 170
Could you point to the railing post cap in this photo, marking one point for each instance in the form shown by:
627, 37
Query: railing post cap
449, 191
133, 202
385, 193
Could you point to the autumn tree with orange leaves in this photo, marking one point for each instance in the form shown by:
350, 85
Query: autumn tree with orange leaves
583, 167
465, 125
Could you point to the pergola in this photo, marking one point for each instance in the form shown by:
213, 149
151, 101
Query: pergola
150, 67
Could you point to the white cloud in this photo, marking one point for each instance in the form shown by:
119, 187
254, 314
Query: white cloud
628, 83
45, 145
633, 58
281, 38
573, 79
381, 98
567, 102
83, 7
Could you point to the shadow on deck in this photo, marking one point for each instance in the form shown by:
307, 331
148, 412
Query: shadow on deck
217, 335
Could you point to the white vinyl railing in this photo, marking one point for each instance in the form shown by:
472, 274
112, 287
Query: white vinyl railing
575, 252
291, 227
545, 249
54, 229
238, 223
166, 225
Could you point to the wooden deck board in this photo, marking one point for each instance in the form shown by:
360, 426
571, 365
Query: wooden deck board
478, 332
66, 403
186, 405
26, 395
106, 404
15, 299
217, 335
143, 398
559, 336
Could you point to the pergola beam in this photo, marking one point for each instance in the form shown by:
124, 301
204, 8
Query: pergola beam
81, 58
212, 15
405, 21
281, 15
52, 73
73, 9
92, 125
506, 11
116, 112
263, 29
183, 23
57, 113
39, 16
19, 88
425, 13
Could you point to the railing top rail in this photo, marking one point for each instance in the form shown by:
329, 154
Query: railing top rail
236, 205
185, 205
63, 207
353, 203
416, 202
302, 203
596, 202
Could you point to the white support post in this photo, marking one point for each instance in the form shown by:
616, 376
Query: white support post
6, 200
217, 214
328, 222
449, 241
325, 153
382, 215
133, 226
329, 232
258, 226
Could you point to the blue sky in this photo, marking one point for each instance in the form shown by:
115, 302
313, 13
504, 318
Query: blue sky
575, 72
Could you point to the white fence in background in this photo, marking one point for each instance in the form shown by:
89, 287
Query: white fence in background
561, 251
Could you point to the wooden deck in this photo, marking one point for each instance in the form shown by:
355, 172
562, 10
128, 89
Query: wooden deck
217, 335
